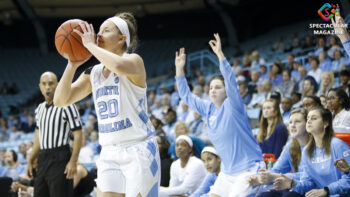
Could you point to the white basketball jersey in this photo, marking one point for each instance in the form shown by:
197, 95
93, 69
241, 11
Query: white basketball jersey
120, 107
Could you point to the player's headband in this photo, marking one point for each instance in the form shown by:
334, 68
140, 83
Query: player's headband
186, 138
122, 26
210, 149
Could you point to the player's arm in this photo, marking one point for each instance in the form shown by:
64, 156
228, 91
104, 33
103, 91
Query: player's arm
131, 66
34, 155
71, 167
67, 92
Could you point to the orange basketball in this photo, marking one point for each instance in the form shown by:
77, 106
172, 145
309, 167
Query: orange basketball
69, 42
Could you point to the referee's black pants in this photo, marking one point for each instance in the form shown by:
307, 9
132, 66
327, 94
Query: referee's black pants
51, 180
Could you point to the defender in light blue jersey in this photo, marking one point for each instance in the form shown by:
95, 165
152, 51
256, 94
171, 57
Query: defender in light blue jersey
228, 126
319, 175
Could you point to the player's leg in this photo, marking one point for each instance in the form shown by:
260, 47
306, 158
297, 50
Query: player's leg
142, 169
108, 194
110, 179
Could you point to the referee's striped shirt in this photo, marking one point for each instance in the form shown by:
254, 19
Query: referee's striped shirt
55, 124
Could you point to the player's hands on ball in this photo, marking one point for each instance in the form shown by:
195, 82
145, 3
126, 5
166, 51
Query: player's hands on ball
71, 169
88, 35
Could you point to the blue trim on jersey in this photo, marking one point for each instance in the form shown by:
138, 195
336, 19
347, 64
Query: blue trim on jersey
152, 148
143, 116
154, 167
154, 191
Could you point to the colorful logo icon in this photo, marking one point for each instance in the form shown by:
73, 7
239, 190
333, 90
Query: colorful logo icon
327, 11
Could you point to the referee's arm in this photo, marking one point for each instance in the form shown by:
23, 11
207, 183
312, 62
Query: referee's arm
71, 167
34, 155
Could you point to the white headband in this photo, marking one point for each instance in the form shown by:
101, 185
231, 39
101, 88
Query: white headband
210, 149
186, 138
122, 26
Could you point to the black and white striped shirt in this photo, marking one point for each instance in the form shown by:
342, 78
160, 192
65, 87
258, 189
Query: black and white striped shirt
55, 124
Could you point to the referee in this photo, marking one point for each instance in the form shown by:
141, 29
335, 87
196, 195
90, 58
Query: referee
56, 163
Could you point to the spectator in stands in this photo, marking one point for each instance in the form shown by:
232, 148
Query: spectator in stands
308, 42
310, 86
296, 100
286, 87
290, 60
4, 89
275, 74
186, 173
158, 108
22, 154
158, 124
254, 81
182, 129
2, 158
299, 85
273, 133
243, 90
93, 142
30, 125
321, 45
236, 65
263, 73
259, 97
4, 134
289, 161
184, 113
246, 64
169, 127
15, 134
12, 169
198, 90
279, 45
287, 108
212, 161
333, 46
327, 83
165, 160
174, 97
323, 100
196, 126
325, 62
320, 177
338, 103
310, 102
295, 42
295, 71
86, 154
339, 62
315, 72
344, 80
256, 60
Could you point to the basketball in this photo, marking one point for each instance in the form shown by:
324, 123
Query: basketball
69, 44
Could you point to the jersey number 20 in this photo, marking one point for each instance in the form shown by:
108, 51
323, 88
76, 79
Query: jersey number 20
108, 109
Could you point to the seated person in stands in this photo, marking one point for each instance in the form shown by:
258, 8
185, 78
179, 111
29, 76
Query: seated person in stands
186, 173
165, 160
289, 161
321, 174
338, 103
311, 101
273, 133
212, 162
182, 129
12, 169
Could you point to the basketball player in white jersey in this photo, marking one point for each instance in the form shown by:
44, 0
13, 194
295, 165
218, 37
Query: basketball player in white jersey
129, 160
